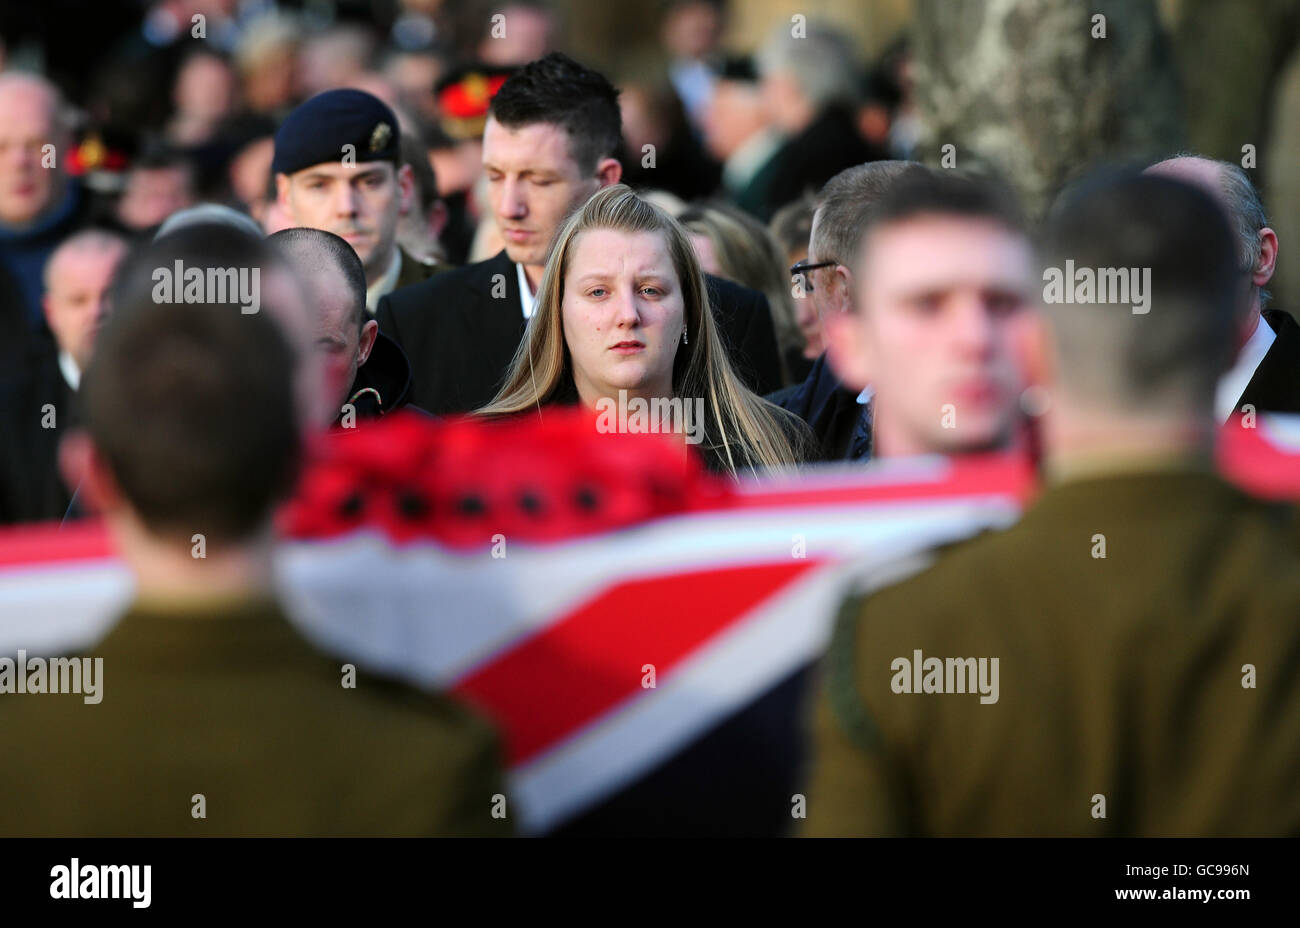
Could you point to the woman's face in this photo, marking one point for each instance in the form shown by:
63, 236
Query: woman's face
623, 313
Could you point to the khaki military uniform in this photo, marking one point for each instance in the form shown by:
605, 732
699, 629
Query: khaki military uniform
1152, 691
223, 721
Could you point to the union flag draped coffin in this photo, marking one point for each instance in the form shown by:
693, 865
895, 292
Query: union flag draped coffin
641, 632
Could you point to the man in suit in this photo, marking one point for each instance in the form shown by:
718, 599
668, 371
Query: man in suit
738, 132
366, 374
548, 145
207, 713
810, 86
338, 167
1266, 375
38, 401
1123, 661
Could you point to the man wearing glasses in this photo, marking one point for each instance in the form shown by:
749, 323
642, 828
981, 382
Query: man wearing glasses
839, 416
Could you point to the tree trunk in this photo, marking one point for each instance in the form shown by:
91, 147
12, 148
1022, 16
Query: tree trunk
1023, 87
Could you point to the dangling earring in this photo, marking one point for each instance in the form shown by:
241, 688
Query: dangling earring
685, 341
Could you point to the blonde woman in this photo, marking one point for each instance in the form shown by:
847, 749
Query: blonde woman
622, 315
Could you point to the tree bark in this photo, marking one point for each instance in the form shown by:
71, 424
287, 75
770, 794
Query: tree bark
1023, 87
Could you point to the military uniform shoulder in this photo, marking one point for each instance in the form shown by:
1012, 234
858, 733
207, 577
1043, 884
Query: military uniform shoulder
937, 589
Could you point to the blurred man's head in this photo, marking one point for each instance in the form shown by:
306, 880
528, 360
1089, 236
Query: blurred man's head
338, 167
190, 406
735, 112
692, 29
1255, 242
343, 331
804, 75
943, 281
77, 278
220, 246
1112, 365
31, 117
549, 144
528, 33
159, 184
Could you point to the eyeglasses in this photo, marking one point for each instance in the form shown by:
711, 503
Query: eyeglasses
799, 273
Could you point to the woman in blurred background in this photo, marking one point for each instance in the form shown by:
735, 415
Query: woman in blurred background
736, 246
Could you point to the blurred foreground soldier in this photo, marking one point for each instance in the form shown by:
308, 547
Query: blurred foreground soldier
550, 143
1266, 374
941, 283
1112, 665
366, 374
338, 167
209, 715
38, 405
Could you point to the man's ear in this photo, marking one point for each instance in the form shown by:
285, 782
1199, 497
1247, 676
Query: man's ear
1267, 264
609, 172
83, 469
1035, 351
406, 189
843, 289
847, 350
369, 332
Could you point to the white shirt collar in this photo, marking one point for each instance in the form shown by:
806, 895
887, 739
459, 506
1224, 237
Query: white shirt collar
386, 284
1233, 384
746, 161
867, 393
527, 301
71, 373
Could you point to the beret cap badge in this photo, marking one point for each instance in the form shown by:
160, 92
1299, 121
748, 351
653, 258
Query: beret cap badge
380, 136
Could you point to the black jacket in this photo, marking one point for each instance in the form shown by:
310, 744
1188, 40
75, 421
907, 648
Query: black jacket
1275, 387
31, 489
805, 162
460, 330
841, 425
383, 383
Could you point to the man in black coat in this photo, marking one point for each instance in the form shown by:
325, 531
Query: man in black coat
38, 397
1266, 376
365, 372
809, 85
548, 145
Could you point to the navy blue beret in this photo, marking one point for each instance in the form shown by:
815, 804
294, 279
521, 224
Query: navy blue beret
318, 129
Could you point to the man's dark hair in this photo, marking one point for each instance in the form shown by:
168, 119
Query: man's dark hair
311, 250
559, 91
1170, 356
191, 405
930, 192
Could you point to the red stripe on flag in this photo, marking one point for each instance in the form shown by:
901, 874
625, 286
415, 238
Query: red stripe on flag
583, 665
46, 544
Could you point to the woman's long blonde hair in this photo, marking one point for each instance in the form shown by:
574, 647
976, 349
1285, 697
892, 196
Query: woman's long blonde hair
743, 430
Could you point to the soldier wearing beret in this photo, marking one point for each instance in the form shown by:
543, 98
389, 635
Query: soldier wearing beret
338, 167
